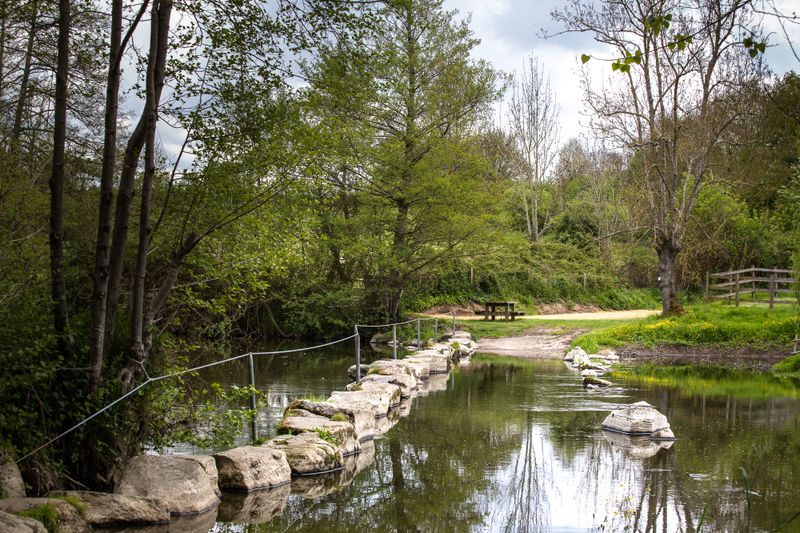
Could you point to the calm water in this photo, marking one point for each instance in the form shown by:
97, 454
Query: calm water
512, 445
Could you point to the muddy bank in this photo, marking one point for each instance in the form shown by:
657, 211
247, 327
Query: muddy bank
735, 357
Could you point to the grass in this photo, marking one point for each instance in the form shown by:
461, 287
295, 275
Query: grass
790, 365
702, 325
74, 501
340, 417
502, 328
46, 514
711, 380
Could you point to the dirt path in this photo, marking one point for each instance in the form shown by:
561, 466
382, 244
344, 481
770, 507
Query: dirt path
539, 344
597, 315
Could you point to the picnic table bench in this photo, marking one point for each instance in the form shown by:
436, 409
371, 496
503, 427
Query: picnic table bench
507, 309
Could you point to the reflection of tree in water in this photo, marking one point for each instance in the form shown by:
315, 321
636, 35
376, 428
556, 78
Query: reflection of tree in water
430, 470
524, 496
515, 447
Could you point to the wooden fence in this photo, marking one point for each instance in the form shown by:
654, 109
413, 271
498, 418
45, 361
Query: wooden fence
756, 285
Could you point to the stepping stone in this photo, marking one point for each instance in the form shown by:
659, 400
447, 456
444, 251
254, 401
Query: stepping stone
249, 468
183, 484
307, 453
639, 418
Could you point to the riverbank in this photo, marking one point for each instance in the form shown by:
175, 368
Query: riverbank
745, 337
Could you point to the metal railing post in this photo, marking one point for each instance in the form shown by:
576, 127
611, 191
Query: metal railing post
394, 340
419, 338
254, 419
358, 355
435, 330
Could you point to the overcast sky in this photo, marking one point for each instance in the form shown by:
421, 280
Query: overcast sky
510, 30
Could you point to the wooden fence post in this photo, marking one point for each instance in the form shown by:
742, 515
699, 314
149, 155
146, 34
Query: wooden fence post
708, 282
772, 289
737, 289
753, 282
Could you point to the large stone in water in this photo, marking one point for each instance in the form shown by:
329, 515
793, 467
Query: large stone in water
639, 418
257, 507
351, 371
402, 377
11, 484
596, 381
356, 397
343, 433
307, 453
69, 519
388, 392
18, 524
575, 352
249, 468
438, 363
362, 416
420, 368
183, 484
104, 509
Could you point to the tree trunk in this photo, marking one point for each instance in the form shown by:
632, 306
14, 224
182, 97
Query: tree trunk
125, 198
155, 84
396, 278
132, 369
105, 209
16, 129
668, 278
57, 179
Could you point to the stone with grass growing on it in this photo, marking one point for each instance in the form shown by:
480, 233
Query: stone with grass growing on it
54, 513
341, 433
308, 453
362, 416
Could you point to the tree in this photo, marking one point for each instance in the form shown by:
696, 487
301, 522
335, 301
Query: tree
533, 117
668, 106
422, 172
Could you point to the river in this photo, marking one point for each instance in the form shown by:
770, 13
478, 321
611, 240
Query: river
506, 444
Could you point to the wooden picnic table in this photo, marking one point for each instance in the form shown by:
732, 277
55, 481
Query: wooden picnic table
508, 307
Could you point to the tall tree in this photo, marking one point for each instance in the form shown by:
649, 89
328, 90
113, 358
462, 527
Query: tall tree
420, 171
57, 180
533, 118
676, 64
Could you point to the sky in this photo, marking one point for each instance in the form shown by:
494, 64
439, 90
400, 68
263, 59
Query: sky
510, 31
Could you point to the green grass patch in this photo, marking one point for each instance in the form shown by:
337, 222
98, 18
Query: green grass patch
510, 328
710, 380
702, 325
340, 417
790, 365
46, 514
327, 436
74, 501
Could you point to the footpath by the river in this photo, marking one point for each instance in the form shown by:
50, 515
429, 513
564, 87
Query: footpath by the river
542, 342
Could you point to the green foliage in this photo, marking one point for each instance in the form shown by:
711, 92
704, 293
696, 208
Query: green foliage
702, 325
46, 514
790, 365
214, 419
327, 436
340, 417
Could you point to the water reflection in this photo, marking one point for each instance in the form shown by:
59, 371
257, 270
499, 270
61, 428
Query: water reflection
511, 445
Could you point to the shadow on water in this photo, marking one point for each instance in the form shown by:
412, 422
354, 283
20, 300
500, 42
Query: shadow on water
514, 445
